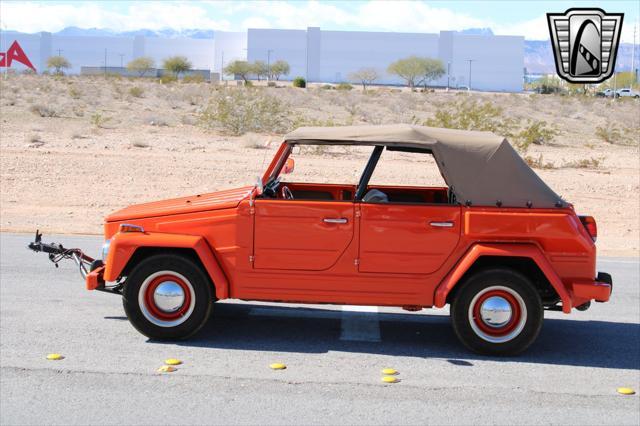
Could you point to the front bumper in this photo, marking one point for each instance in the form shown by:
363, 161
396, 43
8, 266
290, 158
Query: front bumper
598, 289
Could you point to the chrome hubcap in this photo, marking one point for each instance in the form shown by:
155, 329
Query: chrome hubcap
495, 312
169, 296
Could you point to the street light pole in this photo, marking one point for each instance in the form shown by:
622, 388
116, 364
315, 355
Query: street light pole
269, 64
222, 67
470, 62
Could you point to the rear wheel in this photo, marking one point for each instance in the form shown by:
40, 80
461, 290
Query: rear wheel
497, 312
167, 297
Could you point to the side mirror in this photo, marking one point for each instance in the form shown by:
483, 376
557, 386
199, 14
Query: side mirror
289, 166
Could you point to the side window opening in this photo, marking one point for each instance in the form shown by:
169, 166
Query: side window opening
407, 177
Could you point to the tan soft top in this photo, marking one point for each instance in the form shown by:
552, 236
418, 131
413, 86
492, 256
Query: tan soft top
479, 167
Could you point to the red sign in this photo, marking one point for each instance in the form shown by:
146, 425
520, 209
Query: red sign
14, 53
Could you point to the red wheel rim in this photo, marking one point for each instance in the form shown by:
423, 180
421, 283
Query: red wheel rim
151, 304
504, 329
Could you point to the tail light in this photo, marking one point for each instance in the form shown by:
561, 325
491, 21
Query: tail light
590, 225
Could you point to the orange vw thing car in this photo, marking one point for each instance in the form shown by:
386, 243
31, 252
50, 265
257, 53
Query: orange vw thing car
495, 242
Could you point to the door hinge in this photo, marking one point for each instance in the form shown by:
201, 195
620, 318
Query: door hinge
356, 262
357, 213
251, 259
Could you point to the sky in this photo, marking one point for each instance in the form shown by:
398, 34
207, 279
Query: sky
503, 17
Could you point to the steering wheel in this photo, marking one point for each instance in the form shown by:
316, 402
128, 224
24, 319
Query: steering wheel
286, 193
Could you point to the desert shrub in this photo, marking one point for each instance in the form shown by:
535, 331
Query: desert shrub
168, 78
327, 87
99, 120
535, 132
237, 111
43, 110
299, 82
344, 86
583, 163
305, 121
74, 92
539, 163
136, 91
468, 114
194, 78
610, 132
271, 84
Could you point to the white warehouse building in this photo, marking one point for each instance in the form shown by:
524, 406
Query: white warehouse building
496, 62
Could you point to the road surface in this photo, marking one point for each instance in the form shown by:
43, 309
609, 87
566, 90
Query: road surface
333, 355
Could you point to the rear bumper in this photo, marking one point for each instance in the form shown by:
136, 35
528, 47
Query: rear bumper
598, 289
95, 278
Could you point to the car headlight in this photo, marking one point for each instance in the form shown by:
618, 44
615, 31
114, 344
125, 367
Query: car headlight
105, 250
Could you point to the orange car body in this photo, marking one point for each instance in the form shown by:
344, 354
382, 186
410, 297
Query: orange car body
373, 254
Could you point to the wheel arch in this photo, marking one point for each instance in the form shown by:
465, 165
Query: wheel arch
524, 258
128, 249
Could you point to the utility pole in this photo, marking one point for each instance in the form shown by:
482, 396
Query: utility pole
633, 55
448, 74
269, 64
470, 62
59, 52
121, 60
222, 67
105, 62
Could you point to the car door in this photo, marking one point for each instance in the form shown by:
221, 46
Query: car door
407, 238
301, 235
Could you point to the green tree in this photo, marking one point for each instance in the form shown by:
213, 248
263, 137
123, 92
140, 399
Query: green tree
59, 63
239, 68
279, 68
260, 69
141, 65
410, 69
433, 70
364, 76
177, 64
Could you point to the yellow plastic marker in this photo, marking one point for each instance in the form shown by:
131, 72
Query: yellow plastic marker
166, 369
54, 357
626, 391
389, 371
172, 361
277, 366
389, 379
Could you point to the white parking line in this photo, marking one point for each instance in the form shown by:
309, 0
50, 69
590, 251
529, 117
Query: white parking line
360, 323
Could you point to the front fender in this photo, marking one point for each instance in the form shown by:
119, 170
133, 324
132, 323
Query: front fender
511, 250
124, 244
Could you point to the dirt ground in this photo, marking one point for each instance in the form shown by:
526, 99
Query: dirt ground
74, 149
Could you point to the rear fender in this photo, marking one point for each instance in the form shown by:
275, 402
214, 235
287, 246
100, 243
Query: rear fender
124, 244
508, 250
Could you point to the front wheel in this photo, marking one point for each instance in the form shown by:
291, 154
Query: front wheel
497, 312
167, 297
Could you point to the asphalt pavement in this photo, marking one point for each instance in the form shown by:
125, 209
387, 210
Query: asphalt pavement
333, 356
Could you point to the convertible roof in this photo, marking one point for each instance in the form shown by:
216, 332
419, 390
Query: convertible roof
481, 168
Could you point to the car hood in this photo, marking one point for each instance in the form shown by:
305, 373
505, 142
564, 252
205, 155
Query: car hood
195, 203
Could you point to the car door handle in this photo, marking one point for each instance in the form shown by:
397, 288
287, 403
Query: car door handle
335, 220
446, 224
